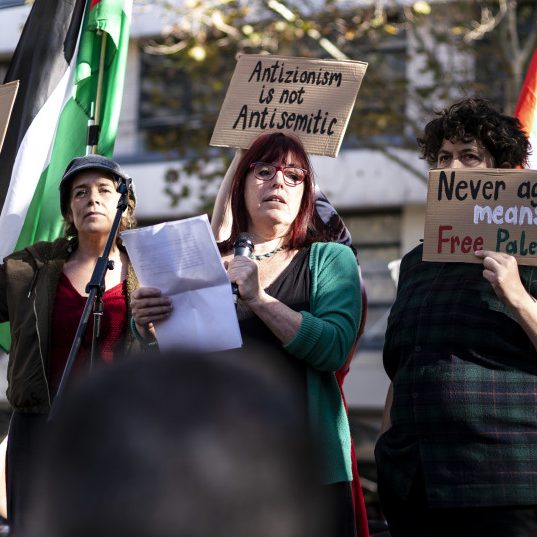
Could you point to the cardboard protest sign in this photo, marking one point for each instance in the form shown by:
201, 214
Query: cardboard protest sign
8, 92
489, 209
312, 99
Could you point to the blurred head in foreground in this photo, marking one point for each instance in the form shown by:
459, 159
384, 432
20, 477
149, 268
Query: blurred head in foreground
179, 445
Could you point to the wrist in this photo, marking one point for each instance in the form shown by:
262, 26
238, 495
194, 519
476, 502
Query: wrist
516, 298
523, 304
259, 301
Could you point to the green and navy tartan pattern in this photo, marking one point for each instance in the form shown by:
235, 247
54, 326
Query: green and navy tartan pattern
465, 389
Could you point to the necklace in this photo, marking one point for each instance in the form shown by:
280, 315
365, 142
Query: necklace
260, 257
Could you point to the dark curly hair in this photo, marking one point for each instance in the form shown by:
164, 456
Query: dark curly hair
476, 119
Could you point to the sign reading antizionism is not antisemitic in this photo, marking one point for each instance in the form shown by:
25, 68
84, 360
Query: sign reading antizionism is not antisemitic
486, 209
312, 99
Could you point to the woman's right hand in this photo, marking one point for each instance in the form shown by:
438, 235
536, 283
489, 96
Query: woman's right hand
149, 305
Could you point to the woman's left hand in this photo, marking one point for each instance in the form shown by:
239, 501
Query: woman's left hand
242, 271
501, 270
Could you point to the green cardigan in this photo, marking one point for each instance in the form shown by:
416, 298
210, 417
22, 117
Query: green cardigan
323, 342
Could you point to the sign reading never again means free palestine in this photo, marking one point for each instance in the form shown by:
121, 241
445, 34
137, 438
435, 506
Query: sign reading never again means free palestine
310, 98
488, 209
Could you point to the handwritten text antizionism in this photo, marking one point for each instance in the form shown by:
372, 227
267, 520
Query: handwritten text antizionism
274, 79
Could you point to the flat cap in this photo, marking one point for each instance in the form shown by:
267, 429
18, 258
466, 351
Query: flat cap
88, 162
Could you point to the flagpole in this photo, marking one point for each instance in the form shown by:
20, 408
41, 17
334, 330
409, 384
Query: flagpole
94, 127
93, 130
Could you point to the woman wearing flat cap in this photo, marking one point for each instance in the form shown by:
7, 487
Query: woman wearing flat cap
42, 295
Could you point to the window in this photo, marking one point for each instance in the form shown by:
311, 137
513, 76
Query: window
379, 112
180, 99
376, 237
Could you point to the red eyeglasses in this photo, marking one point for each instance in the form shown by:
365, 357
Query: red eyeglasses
292, 176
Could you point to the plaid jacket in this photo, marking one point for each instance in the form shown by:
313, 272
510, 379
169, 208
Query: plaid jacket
465, 389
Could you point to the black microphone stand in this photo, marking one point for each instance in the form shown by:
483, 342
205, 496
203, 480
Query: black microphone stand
94, 302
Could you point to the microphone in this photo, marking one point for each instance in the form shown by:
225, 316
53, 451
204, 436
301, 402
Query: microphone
243, 245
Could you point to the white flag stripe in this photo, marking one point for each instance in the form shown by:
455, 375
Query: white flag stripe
127, 9
32, 158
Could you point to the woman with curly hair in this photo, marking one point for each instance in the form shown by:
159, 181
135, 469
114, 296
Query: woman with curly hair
458, 455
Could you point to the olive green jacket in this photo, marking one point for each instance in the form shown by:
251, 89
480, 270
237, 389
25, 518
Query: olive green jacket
28, 283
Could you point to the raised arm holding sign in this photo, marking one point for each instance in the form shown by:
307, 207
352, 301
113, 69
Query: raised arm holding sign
309, 98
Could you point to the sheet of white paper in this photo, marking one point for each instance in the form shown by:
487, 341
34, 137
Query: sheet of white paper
182, 260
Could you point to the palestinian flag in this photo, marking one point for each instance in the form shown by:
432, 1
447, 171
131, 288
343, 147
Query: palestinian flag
57, 62
526, 108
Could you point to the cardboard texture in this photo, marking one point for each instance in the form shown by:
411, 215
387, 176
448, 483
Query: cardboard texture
310, 98
8, 92
489, 209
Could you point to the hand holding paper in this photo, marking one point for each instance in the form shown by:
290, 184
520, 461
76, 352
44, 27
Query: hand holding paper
181, 259
149, 306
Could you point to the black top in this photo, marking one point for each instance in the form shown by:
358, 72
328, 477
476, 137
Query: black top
465, 389
291, 287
